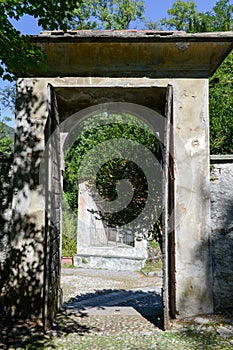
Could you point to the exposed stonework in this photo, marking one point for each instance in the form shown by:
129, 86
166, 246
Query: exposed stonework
222, 230
5, 200
5, 222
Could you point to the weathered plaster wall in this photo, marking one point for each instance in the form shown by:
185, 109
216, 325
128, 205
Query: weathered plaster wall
91, 231
131, 53
26, 280
192, 198
27, 286
222, 230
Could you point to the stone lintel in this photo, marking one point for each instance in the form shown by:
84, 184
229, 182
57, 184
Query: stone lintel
150, 54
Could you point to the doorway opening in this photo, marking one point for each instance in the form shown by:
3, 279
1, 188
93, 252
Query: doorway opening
70, 101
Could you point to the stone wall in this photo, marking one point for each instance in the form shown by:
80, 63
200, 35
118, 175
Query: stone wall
222, 229
5, 200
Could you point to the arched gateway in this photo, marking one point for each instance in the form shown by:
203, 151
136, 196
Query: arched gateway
164, 71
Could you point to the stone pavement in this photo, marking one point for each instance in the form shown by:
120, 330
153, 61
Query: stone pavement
112, 301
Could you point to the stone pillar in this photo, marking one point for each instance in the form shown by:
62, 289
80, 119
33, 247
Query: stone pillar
192, 198
25, 285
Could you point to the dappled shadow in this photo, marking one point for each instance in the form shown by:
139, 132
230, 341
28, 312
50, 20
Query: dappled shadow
24, 272
6, 162
17, 334
147, 302
21, 287
222, 255
20, 334
21, 292
222, 232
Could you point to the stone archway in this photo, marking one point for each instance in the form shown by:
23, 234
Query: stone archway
49, 281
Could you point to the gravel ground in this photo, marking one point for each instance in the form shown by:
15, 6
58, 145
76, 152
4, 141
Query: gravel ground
76, 282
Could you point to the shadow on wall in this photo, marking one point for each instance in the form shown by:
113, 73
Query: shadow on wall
6, 162
222, 248
222, 232
21, 285
21, 272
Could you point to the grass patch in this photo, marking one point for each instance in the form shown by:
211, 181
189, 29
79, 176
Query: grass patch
67, 266
152, 265
154, 260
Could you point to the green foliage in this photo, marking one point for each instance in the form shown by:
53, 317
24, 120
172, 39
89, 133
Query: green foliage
69, 229
18, 56
106, 180
152, 265
84, 16
183, 15
122, 126
151, 25
69, 247
6, 141
7, 98
221, 109
218, 19
154, 260
107, 14
16, 52
221, 17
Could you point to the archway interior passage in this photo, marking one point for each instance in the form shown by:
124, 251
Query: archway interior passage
116, 161
71, 100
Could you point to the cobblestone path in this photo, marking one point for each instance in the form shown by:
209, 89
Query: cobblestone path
112, 301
